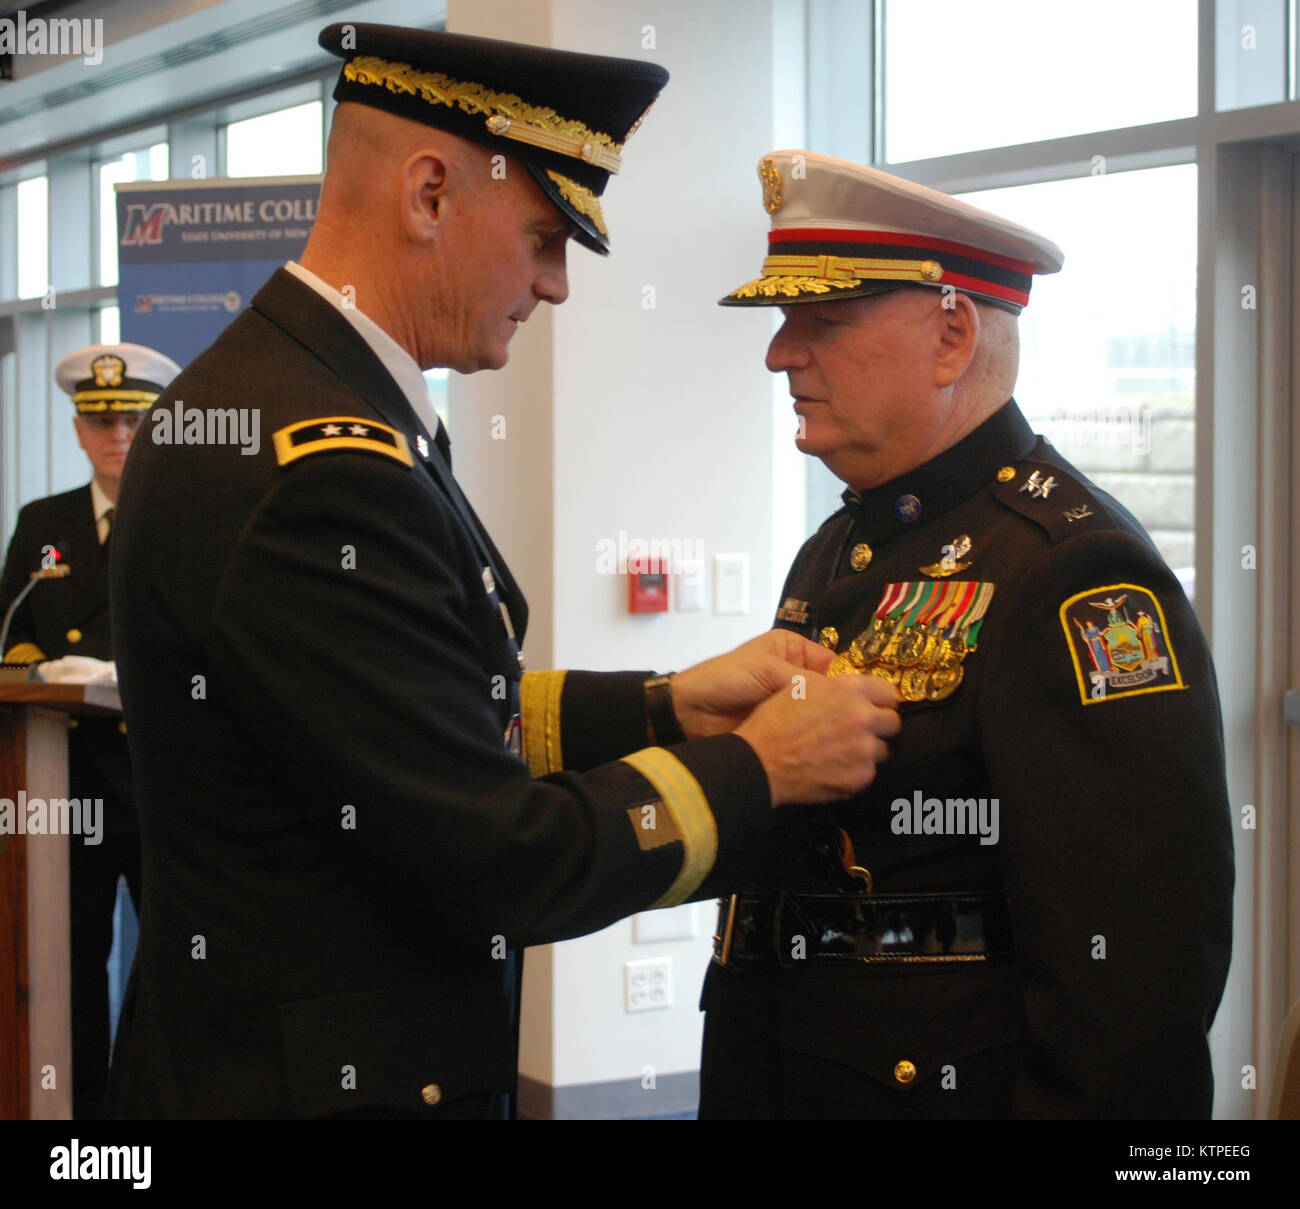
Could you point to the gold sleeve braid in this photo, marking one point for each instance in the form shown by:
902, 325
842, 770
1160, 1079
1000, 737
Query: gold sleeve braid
539, 707
688, 808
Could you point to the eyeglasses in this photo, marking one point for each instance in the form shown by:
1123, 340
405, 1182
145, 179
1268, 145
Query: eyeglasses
110, 420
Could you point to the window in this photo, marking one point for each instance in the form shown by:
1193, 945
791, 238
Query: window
436, 381
110, 325
148, 164
33, 237
961, 77
1254, 58
286, 142
1108, 345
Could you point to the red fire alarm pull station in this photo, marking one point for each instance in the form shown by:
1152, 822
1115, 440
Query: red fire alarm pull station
647, 590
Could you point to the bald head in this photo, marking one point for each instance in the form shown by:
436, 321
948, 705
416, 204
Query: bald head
430, 231
366, 151
371, 160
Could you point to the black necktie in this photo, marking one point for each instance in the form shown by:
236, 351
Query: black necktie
108, 516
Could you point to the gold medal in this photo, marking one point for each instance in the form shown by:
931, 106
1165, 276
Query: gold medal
841, 665
913, 683
943, 682
913, 646
871, 642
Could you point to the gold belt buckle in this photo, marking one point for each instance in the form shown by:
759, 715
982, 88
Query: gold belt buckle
728, 928
862, 875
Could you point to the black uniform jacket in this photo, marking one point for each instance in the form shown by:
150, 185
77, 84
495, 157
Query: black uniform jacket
69, 615
1112, 845
339, 850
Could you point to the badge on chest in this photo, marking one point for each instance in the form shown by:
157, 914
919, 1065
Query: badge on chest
920, 637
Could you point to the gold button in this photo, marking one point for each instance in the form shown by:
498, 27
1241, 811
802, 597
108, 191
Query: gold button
830, 637
904, 1071
72, 724
1006, 474
860, 557
931, 270
431, 1095
121, 728
74, 636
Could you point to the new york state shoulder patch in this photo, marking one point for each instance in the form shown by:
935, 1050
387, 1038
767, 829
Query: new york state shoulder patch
1120, 643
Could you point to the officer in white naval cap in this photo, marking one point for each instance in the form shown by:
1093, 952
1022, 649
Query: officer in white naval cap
112, 386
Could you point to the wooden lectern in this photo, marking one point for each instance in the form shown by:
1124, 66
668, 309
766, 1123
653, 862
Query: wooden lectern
35, 971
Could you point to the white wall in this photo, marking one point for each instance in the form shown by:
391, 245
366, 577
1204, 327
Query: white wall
654, 421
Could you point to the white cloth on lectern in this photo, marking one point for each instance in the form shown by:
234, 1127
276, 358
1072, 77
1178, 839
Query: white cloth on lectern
78, 669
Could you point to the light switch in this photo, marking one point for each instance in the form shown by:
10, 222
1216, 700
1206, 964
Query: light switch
690, 586
731, 583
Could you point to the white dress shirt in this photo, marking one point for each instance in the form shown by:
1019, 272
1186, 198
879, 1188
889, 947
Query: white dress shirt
102, 506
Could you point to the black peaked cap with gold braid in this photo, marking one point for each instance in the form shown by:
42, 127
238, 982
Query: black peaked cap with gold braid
564, 115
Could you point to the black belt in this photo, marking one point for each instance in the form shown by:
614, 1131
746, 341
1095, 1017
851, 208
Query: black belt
789, 930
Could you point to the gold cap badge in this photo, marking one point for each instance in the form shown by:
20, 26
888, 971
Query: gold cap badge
771, 178
108, 370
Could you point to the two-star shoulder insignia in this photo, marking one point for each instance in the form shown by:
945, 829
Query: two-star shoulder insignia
1050, 497
336, 434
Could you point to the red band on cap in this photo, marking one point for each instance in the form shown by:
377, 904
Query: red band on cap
979, 286
897, 239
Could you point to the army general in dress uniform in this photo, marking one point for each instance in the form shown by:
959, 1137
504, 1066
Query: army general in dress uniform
67, 537
319, 644
1028, 913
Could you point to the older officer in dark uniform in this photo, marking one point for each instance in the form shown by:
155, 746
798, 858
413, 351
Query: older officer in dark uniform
67, 613
318, 643
1028, 913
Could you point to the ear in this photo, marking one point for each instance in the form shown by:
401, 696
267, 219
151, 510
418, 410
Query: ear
959, 337
423, 189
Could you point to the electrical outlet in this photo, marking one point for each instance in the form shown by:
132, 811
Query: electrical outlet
648, 984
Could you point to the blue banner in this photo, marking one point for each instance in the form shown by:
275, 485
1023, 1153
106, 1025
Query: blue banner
192, 254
